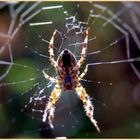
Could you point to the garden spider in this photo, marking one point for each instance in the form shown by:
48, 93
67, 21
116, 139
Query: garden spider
67, 68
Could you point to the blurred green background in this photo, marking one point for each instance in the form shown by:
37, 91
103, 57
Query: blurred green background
117, 106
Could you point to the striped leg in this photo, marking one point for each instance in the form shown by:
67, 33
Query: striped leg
50, 107
83, 73
49, 78
53, 62
83, 54
87, 104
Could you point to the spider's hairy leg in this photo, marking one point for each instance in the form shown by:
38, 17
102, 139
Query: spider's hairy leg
53, 62
49, 77
83, 73
50, 107
87, 104
83, 54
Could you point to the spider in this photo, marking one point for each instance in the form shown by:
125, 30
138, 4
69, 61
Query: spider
67, 68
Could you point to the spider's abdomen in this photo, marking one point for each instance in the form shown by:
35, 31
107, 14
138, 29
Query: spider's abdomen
67, 71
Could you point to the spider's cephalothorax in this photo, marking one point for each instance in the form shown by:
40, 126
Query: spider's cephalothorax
67, 70
68, 79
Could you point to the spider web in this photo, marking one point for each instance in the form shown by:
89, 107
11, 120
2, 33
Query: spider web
112, 80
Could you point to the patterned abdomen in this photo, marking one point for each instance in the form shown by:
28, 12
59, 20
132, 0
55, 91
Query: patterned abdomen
67, 70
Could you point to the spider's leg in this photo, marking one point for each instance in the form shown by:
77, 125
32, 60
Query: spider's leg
83, 73
83, 54
50, 107
87, 104
49, 77
53, 62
